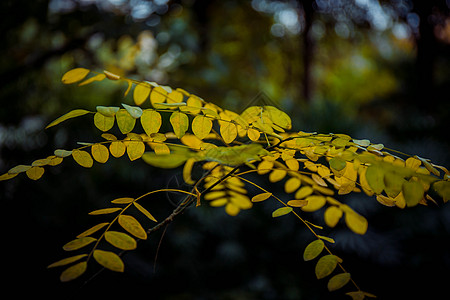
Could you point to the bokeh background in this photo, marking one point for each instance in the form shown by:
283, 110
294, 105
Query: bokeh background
375, 69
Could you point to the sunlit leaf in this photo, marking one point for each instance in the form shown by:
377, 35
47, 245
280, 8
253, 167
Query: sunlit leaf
141, 93
338, 281
134, 111
103, 122
261, 197
92, 230
228, 131
100, 153
264, 167
105, 211
315, 202
304, 192
130, 224
151, 121
412, 192
78, 243
71, 114
124, 200
35, 173
332, 215
125, 121
297, 203
158, 95
170, 161
326, 265
201, 126
74, 75
135, 149
180, 123
357, 223
144, 211
98, 77
82, 158
281, 211
109, 260
120, 240
117, 148
253, 134
66, 261
278, 117
292, 184
313, 250
277, 175
73, 272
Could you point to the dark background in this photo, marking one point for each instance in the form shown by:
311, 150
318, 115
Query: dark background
372, 69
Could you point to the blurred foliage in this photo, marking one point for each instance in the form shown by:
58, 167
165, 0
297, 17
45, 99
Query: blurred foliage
378, 69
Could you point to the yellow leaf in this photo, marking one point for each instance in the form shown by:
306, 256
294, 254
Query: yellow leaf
144, 211
261, 197
201, 126
357, 223
109, 260
71, 114
264, 167
104, 211
314, 203
74, 75
102, 122
100, 153
135, 149
338, 281
151, 121
35, 173
158, 95
297, 203
326, 265
73, 272
120, 240
117, 148
281, 212
375, 178
66, 261
228, 131
111, 76
292, 184
278, 117
313, 250
175, 97
141, 93
124, 200
232, 209
304, 192
180, 123
240, 200
83, 158
253, 134
130, 224
187, 170
92, 230
292, 164
412, 192
332, 215
386, 200
98, 77
319, 180
125, 121
7, 176
413, 163
161, 149
277, 175
194, 101
78, 243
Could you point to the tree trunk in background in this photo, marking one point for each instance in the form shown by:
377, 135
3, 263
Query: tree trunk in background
307, 44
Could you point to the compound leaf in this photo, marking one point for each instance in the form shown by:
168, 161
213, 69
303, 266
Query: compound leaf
71, 114
109, 260
130, 224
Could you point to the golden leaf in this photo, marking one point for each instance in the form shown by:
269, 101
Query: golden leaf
292, 184
92, 230
281, 212
135, 149
314, 203
130, 224
144, 211
74, 75
83, 158
66, 261
117, 148
125, 121
73, 272
120, 240
109, 260
141, 93
35, 173
332, 215
201, 126
261, 197
151, 121
100, 153
180, 123
313, 250
71, 114
103, 122
78, 243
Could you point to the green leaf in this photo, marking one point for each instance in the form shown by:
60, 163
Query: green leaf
375, 178
74, 75
134, 111
261, 197
442, 188
281, 212
109, 260
326, 265
125, 121
78, 243
180, 123
151, 121
278, 117
104, 211
130, 224
71, 114
313, 250
412, 192
120, 240
18, 169
92, 230
107, 111
73, 272
66, 261
144, 211
103, 122
338, 281
337, 164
